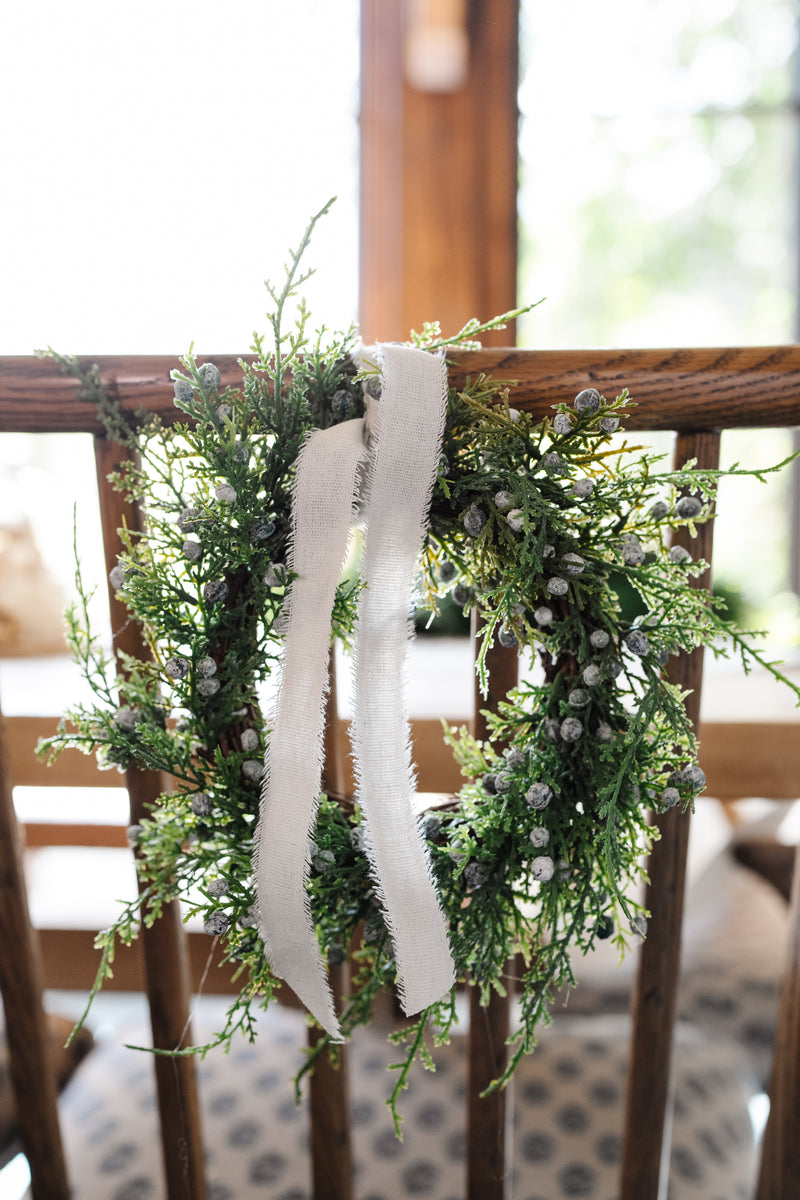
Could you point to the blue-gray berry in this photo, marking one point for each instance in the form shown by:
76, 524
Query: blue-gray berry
206, 667
632, 553
252, 769
116, 577
188, 519
604, 732
217, 888
210, 376
540, 837
216, 924
553, 463
241, 452
127, 719
336, 955
670, 797
507, 638
515, 758
539, 795
249, 740
609, 424
557, 586
503, 782
562, 423
215, 591
177, 668
475, 875
659, 510
323, 860
679, 554
461, 595
275, 575
688, 507
222, 411
574, 564
591, 675
547, 550
516, 520
374, 387
208, 687
191, 550
474, 520
571, 729
552, 729
489, 783
202, 805
542, 868
447, 571
583, 488
262, 528
637, 643
587, 401
431, 826
183, 390
578, 698
225, 492
341, 404
599, 638
543, 615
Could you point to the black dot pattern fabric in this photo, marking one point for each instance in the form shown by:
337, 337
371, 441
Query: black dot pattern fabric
567, 1104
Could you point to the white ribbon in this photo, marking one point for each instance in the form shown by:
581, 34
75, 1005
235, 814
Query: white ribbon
398, 470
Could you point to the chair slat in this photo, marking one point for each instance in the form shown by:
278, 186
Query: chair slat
329, 1093
30, 1063
780, 1152
488, 1169
164, 943
645, 1153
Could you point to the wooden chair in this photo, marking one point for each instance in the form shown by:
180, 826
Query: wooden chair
696, 393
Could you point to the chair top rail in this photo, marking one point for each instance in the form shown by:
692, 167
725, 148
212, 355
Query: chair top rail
699, 389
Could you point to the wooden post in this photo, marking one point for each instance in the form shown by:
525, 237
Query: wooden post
164, 943
30, 1061
780, 1152
329, 1093
646, 1150
488, 1118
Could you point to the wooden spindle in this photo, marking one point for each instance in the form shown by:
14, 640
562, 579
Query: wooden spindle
646, 1150
779, 1178
29, 1050
164, 944
329, 1093
488, 1174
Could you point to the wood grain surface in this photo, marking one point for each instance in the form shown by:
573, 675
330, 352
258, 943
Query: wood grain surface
701, 389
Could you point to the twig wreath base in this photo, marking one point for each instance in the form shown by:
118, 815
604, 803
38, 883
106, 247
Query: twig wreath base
540, 527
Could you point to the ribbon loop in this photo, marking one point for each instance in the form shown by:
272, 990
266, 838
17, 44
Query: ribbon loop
405, 432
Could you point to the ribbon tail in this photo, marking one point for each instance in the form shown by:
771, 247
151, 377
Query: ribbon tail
405, 457
324, 500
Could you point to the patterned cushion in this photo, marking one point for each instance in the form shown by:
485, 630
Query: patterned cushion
568, 1100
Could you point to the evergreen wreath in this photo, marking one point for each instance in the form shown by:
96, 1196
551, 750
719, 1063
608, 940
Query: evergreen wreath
536, 525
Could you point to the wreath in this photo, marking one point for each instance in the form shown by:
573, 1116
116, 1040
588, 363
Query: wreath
557, 533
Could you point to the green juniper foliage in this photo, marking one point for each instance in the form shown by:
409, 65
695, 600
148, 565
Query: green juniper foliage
536, 525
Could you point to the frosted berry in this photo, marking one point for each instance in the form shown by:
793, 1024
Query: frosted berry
583, 488
474, 520
562, 424
579, 698
609, 424
507, 638
515, 758
591, 675
553, 463
275, 575
374, 387
503, 783
574, 564
571, 729
557, 586
226, 493
191, 550
516, 520
208, 687
632, 553
210, 376
202, 805
670, 797
241, 452
127, 719
217, 888
539, 795
543, 615
659, 510
599, 638
206, 667
637, 643
461, 595
679, 554
431, 827
340, 404
183, 390
262, 528
116, 577
177, 668
547, 550
215, 591
489, 783
188, 519
252, 769
222, 411
447, 571
216, 924
475, 875
336, 954
540, 837
587, 401
604, 732
249, 740
542, 869
688, 507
